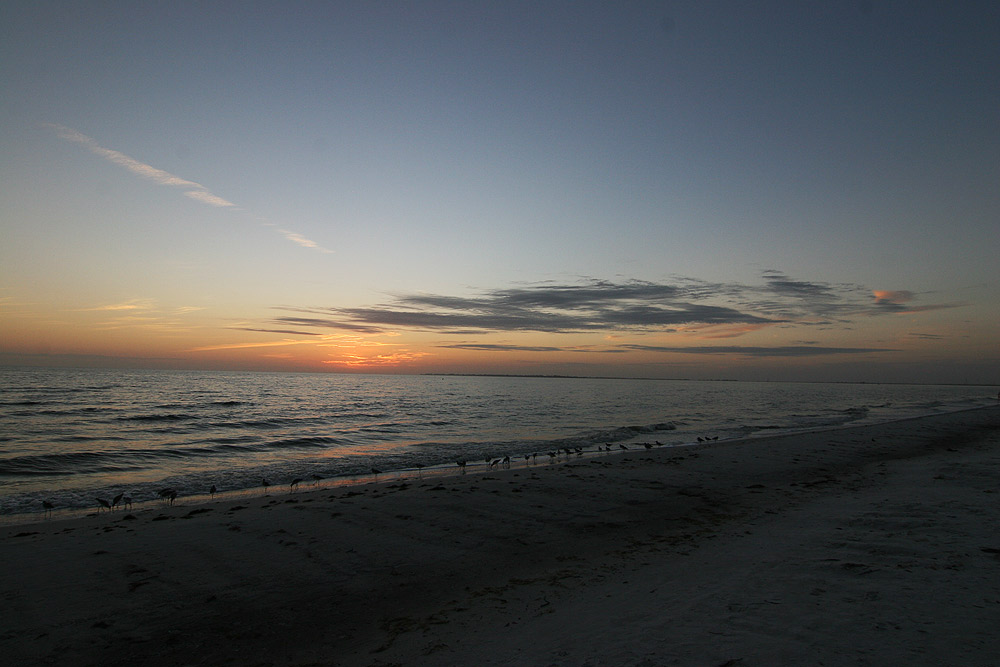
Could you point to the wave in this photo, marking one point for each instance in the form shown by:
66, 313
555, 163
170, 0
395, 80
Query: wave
156, 418
71, 463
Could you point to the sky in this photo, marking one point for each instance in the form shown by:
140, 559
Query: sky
763, 190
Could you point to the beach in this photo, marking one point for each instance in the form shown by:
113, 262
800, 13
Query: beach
869, 545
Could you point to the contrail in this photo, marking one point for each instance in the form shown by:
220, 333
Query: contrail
195, 191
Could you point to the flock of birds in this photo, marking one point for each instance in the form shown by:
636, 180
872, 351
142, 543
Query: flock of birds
169, 494
555, 454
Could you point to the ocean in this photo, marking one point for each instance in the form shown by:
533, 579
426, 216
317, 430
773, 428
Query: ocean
69, 436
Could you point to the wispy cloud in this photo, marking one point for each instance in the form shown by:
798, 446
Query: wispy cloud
132, 304
295, 237
926, 336
192, 190
684, 307
895, 302
740, 350
751, 351
287, 332
594, 306
376, 360
239, 346
499, 347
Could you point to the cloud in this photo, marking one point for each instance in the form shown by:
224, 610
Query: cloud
287, 332
390, 359
892, 297
192, 190
785, 286
491, 347
133, 304
327, 323
748, 351
720, 310
206, 197
594, 306
926, 336
302, 241
195, 190
239, 346
894, 301
502, 347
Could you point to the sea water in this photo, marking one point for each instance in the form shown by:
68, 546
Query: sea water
68, 436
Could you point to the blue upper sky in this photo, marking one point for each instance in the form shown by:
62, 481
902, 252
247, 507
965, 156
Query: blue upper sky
205, 169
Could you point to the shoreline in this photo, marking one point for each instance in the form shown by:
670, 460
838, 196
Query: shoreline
688, 555
443, 470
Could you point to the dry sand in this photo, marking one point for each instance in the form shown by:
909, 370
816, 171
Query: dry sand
875, 545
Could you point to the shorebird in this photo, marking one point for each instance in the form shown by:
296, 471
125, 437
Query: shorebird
506, 462
212, 491
622, 447
128, 502
48, 507
265, 484
167, 494
647, 445
294, 484
461, 464
117, 499
101, 502
376, 472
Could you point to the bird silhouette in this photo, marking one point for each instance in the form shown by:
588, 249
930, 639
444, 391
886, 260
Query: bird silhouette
101, 502
265, 484
212, 491
48, 507
294, 484
117, 499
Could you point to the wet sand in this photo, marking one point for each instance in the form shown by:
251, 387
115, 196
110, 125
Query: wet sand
870, 545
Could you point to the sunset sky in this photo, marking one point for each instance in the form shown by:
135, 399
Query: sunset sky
749, 190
